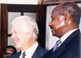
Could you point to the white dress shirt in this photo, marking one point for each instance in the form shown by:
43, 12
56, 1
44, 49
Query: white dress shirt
29, 52
63, 38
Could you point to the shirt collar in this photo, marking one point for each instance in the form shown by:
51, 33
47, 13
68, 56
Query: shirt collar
29, 52
63, 38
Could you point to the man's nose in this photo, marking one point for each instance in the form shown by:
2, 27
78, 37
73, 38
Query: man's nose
9, 55
49, 24
12, 36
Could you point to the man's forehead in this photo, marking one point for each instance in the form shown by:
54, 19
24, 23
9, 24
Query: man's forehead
54, 14
57, 8
17, 24
15, 27
54, 11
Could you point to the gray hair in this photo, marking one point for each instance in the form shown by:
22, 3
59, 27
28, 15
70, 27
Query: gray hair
29, 24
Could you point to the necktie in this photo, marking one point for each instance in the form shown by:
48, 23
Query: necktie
23, 56
57, 44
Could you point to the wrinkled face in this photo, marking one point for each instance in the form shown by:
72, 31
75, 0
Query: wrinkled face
57, 24
19, 36
8, 52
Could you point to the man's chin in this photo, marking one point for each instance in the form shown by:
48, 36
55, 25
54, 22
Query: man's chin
53, 34
17, 46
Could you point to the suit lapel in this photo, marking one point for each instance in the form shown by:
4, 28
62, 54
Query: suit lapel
58, 52
64, 45
18, 55
39, 52
36, 53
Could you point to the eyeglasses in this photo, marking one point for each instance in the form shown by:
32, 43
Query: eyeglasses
9, 52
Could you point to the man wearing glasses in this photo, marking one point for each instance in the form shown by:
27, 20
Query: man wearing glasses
8, 51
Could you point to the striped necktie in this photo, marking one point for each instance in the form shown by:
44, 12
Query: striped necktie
23, 55
57, 44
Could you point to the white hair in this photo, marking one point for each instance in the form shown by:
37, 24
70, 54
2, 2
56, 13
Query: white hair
29, 24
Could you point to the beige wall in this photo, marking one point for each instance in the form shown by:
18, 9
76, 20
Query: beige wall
19, 1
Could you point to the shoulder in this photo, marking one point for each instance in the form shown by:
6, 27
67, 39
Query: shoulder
47, 54
41, 49
39, 52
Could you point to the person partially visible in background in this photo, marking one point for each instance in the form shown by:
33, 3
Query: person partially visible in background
8, 51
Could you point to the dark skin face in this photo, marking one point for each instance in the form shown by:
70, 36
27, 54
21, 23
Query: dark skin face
10, 50
61, 21
57, 24
61, 24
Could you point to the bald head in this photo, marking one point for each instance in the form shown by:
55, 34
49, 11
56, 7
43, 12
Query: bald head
71, 8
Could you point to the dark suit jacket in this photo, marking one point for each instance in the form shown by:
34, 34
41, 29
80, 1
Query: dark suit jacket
70, 48
37, 54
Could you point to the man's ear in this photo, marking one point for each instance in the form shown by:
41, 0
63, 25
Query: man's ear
29, 34
67, 18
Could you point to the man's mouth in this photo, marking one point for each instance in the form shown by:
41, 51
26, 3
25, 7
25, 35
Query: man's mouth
51, 27
16, 41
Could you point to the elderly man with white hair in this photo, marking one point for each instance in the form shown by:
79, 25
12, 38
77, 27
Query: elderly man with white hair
24, 33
